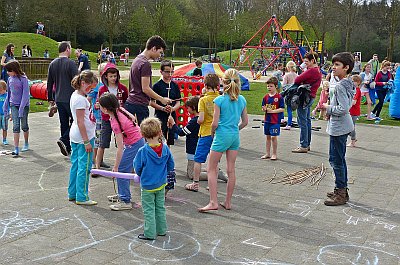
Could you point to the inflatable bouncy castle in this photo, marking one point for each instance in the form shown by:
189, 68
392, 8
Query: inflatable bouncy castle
394, 106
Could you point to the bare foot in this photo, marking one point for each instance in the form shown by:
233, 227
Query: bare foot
273, 157
225, 205
209, 207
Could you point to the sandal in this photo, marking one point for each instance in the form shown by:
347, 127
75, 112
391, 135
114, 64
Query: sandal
265, 157
194, 186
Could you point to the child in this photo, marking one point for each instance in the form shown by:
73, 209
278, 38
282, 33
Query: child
340, 125
274, 106
3, 118
166, 88
110, 78
206, 110
229, 109
288, 79
82, 138
278, 74
152, 163
18, 99
92, 97
355, 109
197, 71
323, 98
191, 131
129, 140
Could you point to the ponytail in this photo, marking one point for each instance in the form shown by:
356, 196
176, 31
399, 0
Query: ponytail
231, 81
87, 76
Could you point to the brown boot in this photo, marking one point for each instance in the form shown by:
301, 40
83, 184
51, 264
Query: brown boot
332, 193
339, 198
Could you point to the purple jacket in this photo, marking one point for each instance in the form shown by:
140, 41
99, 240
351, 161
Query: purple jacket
17, 94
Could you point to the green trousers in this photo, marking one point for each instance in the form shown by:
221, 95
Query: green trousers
155, 219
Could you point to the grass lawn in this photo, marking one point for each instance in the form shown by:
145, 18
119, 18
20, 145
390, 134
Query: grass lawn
254, 98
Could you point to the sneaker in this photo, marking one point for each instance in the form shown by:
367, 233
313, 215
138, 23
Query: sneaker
87, 203
300, 150
5, 142
113, 198
373, 116
287, 128
52, 110
120, 206
25, 148
104, 165
63, 148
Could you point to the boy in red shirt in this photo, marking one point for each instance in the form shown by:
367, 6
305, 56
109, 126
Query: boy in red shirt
355, 110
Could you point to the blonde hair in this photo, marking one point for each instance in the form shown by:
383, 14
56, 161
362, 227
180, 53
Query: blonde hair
231, 81
325, 83
385, 63
86, 76
356, 78
291, 66
101, 68
150, 127
3, 84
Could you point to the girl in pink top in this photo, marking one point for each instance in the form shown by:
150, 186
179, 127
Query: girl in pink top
129, 140
323, 98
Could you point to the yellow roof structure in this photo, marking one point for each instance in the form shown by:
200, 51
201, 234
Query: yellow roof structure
293, 24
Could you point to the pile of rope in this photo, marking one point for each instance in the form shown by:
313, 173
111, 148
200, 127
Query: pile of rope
313, 174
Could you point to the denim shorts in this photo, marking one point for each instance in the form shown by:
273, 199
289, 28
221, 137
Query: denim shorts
272, 129
3, 122
105, 134
203, 149
19, 122
225, 142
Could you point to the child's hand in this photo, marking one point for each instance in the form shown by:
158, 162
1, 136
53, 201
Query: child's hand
88, 148
97, 105
167, 109
264, 108
171, 122
114, 169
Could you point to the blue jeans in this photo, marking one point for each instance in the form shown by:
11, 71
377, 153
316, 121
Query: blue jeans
289, 115
337, 159
141, 111
126, 166
81, 164
381, 97
65, 116
304, 121
19, 122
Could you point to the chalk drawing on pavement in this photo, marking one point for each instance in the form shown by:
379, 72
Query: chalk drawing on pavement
301, 208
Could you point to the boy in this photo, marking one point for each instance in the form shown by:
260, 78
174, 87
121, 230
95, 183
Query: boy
92, 98
166, 88
140, 90
274, 106
191, 131
152, 162
197, 71
278, 73
110, 79
355, 110
206, 112
340, 125
3, 118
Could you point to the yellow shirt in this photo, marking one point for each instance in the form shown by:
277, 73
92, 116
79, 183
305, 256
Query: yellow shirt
206, 105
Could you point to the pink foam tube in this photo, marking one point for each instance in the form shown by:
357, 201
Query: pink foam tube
112, 174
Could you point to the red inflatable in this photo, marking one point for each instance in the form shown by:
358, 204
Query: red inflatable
39, 91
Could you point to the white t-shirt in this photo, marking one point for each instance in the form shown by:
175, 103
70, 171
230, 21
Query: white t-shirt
113, 90
81, 102
332, 84
367, 77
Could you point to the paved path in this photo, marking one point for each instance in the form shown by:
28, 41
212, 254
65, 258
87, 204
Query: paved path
268, 224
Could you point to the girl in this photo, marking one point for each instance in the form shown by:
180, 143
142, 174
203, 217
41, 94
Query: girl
288, 79
18, 99
82, 138
7, 56
366, 89
129, 140
229, 108
323, 98
381, 80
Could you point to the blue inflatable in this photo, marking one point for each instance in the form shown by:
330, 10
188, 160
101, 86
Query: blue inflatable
394, 106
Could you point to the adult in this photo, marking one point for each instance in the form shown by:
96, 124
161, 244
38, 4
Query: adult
83, 61
357, 66
7, 56
312, 76
59, 90
366, 89
374, 64
140, 87
381, 79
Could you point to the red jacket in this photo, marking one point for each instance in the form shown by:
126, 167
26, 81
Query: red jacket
311, 76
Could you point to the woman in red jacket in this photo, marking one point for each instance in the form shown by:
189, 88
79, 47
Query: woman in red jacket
381, 80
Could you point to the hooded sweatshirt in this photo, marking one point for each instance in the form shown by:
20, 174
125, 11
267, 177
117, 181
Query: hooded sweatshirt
151, 168
340, 122
122, 91
17, 94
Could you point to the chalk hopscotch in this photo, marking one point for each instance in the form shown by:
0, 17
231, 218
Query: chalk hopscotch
12, 224
301, 208
359, 214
